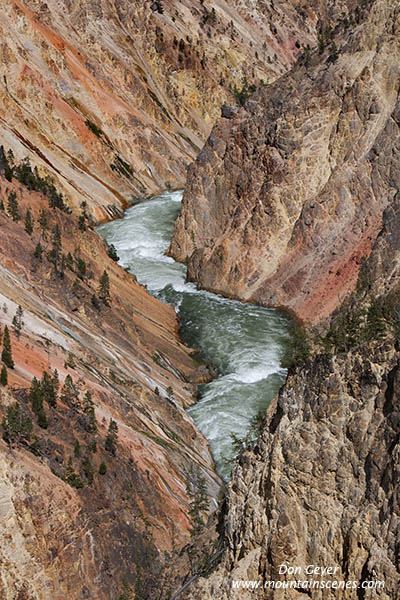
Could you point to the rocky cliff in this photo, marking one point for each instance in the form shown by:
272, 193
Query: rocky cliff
117, 98
83, 517
287, 196
320, 486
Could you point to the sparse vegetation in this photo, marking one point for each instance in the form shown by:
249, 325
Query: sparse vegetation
13, 207
121, 166
17, 428
242, 95
112, 436
104, 289
6, 355
196, 489
3, 376
17, 321
29, 222
93, 128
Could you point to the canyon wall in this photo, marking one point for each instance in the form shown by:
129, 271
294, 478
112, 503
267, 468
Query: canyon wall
115, 99
320, 485
286, 197
71, 527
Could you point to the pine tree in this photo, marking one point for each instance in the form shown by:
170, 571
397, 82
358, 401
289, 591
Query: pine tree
55, 252
44, 223
88, 409
69, 261
42, 419
1, 204
71, 477
81, 223
196, 489
49, 388
38, 251
13, 207
35, 396
16, 427
77, 449
103, 468
17, 321
87, 469
95, 302
6, 355
69, 392
111, 439
104, 288
29, 222
81, 268
3, 376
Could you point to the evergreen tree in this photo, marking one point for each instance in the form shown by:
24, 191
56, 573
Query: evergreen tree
77, 449
49, 388
81, 268
42, 419
196, 489
95, 302
81, 223
44, 223
88, 470
69, 392
103, 468
55, 253
111, 439
1, 204
35, 396
16, 427
104, 288
3, 376
17, 321
6, 355
69, 261
71, 477
13, 207
38, 251
5, 166
29, 222
88, 409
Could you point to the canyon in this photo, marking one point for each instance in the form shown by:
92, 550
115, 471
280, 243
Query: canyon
320, 485
292, 202
103, 104
116, 99
286, 198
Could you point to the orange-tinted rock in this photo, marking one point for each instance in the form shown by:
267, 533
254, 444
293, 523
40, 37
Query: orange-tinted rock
286, 198
122, 524
116, 99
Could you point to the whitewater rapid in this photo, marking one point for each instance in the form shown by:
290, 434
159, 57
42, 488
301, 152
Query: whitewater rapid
246, 343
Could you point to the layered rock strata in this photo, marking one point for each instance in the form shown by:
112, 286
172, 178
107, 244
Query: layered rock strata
71, 527
287, 197
117, 98
320, 486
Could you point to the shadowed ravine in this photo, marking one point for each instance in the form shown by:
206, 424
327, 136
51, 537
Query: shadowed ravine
246, 343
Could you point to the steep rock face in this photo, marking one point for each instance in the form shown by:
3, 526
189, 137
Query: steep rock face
285, 199
57, 540
117, 98
320, 487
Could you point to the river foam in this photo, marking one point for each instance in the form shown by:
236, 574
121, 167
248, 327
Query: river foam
246, 343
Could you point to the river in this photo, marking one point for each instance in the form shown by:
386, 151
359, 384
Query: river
246, 343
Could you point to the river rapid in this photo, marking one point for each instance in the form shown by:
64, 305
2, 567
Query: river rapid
246, 343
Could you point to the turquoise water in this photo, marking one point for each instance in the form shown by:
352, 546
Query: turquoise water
246, 343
